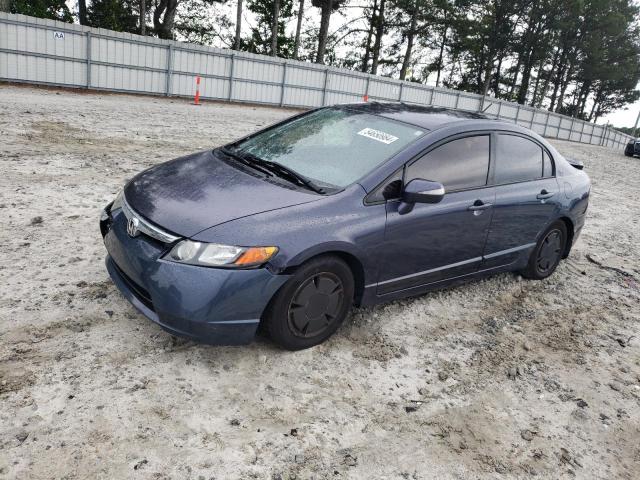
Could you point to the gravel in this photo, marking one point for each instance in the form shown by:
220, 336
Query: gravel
91, 389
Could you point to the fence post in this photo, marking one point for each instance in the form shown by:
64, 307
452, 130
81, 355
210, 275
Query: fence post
324, 87
233, 58
284, 80
167, 91
366, 90
533, 117
573, 120
88, 59
457, 100
431, 97
400, 96
499, 109
517, 114
546, 125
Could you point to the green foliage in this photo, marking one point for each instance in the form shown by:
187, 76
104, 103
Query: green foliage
198, 21
52, 9
118, 15
260, 39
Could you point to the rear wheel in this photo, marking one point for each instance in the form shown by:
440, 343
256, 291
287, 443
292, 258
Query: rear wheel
310, 307
548, 252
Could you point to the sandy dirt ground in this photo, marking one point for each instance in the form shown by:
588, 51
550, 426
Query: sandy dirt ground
499, 378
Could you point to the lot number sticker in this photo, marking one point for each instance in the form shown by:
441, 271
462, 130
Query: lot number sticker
58, 35
377, 135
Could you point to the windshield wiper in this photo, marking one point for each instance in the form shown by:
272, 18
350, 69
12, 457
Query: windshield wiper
286, 172
245, 161
277, 169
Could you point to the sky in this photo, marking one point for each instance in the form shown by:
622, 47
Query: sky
623, 118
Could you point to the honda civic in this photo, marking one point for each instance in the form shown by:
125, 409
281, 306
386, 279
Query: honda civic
287, 229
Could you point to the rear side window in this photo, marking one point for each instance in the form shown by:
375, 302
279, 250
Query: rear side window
517, 160
459, 164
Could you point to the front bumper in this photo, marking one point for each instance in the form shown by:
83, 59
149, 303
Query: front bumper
210, 305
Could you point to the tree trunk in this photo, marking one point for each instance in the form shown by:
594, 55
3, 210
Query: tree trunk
377, 44
5, 5
410, 35
82, 11
534, 98
514, 80
296, 45
143, 16
496, 79
274, 28
526, 78
441, 54
325, 17
367, 48
558, 79
452, 72
530, 59
164, 17
564, 85
487, 74
581, 101
547, 78
596, 101
236, 41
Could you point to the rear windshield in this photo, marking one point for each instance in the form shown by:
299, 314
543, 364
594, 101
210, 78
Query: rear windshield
332, 147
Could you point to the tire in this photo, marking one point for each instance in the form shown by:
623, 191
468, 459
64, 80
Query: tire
627, 154
311, 305
548, 252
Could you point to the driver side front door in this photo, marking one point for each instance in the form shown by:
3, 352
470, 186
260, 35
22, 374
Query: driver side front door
439, 241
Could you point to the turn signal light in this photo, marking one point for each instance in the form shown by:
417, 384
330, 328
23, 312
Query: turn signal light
256, 255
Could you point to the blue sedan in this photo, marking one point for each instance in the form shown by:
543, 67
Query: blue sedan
287, 229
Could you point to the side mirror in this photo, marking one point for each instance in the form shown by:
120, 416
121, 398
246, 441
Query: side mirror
420, 191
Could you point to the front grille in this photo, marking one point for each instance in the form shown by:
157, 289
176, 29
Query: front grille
144, 226
139, 292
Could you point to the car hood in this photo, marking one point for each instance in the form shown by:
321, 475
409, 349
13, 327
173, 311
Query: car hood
193, 193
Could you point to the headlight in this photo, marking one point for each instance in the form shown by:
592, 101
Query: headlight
117, 203
216, 255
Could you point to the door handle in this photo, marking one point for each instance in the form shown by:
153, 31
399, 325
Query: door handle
544, 195
479, 205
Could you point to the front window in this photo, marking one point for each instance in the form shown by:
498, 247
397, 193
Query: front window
459, 164
332, 147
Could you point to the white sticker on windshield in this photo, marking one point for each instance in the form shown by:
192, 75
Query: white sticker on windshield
377, 135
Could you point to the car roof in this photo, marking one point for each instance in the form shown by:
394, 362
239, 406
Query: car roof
428, 118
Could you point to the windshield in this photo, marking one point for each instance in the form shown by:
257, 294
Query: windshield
331, 147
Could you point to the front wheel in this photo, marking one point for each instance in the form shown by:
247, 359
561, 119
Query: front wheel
548, 252
313, 303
